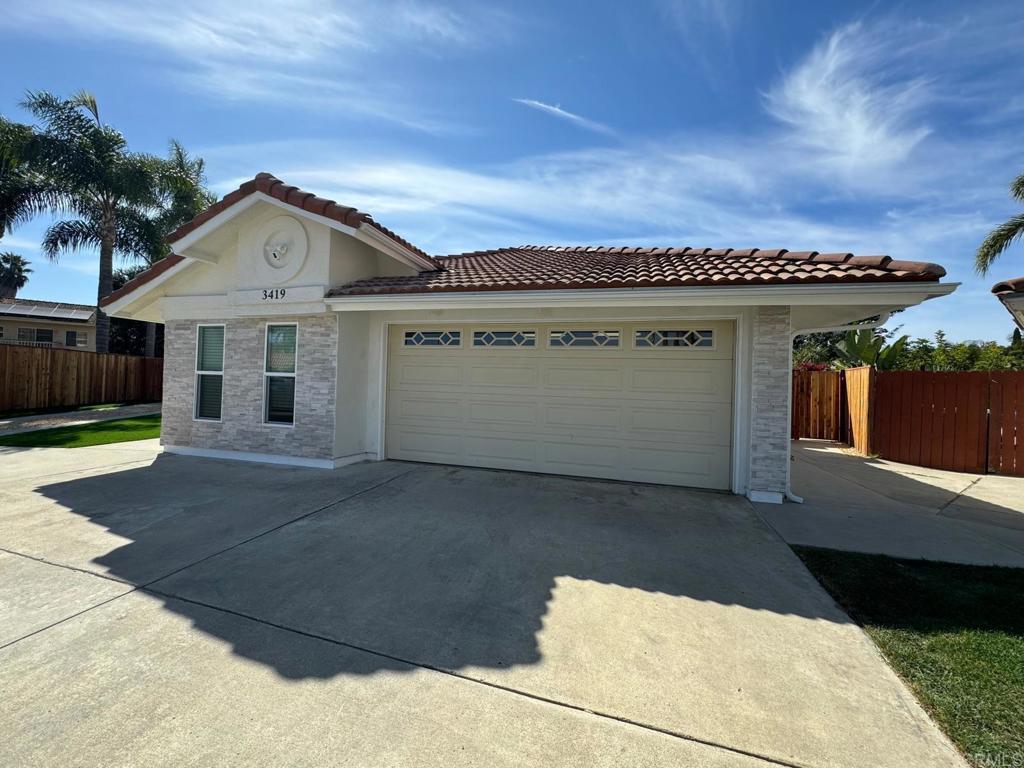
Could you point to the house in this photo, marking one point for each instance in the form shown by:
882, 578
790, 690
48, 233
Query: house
301, 331
1011, 293
29, 322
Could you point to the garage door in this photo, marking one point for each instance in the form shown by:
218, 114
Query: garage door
643, 402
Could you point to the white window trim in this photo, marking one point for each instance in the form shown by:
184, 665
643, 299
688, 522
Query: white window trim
267, 375
195, 376
664, 327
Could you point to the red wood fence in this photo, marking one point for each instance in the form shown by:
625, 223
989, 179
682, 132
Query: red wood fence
36, 378
965, 421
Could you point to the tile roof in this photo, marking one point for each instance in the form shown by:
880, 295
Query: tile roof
307, 201
533, 267
1014, 285
171, 260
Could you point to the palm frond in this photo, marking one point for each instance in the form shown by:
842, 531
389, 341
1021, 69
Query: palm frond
1017, 188
998, 241
86, 100
68, 236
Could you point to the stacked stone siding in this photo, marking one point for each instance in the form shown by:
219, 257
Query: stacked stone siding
241, 427
769, 426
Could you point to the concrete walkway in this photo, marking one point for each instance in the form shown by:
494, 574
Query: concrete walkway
169, 610
17, 424
883, 507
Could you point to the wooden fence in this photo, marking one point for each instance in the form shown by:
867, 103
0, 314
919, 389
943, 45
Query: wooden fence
965, 421
34, 378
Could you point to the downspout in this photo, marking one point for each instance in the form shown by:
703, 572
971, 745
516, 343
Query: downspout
882, 320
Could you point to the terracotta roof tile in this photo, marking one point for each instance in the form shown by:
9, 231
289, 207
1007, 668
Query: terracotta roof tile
532, 267
144, 277
1013, 285
307, 201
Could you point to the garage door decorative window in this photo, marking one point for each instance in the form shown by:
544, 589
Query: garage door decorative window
504, 338
676, 338
433, 338
583, 338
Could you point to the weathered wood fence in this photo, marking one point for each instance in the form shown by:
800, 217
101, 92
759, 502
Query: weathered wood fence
35, 378
964, 421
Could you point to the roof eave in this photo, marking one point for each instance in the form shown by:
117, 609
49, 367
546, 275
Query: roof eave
896, 294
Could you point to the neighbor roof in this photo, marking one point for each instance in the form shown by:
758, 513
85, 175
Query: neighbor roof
1011, 294
536, 267
32, 309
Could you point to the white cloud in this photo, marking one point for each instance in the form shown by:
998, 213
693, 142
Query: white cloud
706, 29
562, 114
847, 103
304, 53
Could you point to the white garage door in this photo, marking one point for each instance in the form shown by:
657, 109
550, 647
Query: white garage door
644, 402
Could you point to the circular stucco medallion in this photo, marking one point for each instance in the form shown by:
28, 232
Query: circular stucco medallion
281, 246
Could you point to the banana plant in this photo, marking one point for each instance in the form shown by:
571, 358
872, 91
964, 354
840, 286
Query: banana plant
865, 347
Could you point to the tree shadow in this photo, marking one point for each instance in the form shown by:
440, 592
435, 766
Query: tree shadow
446, 567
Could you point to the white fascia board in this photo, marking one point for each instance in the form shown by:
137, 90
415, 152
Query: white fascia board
364, 233
878, 294
118, 308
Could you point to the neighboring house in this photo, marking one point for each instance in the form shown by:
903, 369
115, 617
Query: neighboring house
32, 323
303, 332
1011, 293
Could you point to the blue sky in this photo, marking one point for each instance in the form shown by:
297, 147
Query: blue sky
854, 126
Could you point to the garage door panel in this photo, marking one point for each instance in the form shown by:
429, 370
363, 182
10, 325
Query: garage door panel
597, 415
706, 423
503, 413
661, 415
502, 375
418, 373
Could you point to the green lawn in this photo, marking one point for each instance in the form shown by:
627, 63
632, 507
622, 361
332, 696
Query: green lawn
61, 409
955, 633
97, 433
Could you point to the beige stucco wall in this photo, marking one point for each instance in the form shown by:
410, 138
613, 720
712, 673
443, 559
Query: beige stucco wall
10, 328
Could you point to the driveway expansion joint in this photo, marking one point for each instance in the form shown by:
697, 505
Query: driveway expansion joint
487, 684
276, 528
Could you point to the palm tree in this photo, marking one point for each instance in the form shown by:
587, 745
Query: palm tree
14, 272
24, 193
107, 188
1002, 236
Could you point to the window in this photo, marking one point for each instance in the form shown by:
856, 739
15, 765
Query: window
583, 338
71, 338
1, 331
504, 338
83, 339
279, 375
433, 338
209, 371
44, 335
678, 338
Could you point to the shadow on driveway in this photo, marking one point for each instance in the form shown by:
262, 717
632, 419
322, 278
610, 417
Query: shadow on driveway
446, 567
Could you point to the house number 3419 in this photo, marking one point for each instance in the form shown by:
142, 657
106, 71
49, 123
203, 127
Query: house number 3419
273, 293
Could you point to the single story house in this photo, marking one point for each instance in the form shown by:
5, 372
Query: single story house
1011, 294
34, 323
301, 331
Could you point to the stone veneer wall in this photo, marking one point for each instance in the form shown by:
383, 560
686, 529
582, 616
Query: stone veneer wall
241, 427
769, 415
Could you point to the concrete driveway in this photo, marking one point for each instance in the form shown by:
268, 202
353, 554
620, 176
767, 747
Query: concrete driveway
166, 610
883, 507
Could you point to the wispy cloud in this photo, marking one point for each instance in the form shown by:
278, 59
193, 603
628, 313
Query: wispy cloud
301, 53
847, 102
707, 29
563, 114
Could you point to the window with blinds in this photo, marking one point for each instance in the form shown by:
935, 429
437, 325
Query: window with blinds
209, 371
279, 374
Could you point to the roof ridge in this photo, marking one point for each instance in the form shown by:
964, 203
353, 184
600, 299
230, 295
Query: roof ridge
270, 185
